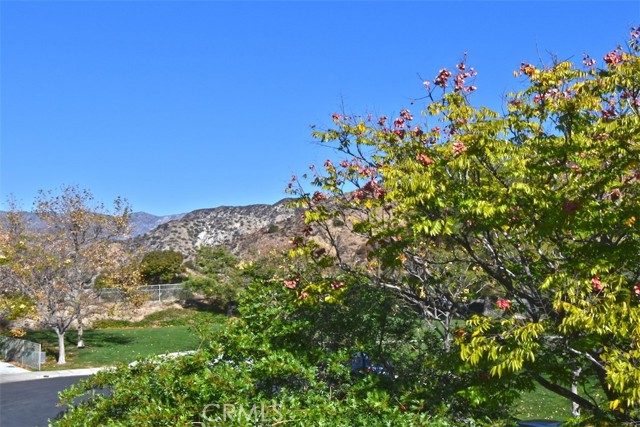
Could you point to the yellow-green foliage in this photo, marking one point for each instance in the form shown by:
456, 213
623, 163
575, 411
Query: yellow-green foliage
536, 207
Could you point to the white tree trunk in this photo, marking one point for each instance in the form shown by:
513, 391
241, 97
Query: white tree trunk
575, 408
61, 352
447, 331
80, 333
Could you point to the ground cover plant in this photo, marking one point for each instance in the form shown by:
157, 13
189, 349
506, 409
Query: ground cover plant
174, 316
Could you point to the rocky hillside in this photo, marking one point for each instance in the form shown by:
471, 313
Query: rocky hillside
248, 231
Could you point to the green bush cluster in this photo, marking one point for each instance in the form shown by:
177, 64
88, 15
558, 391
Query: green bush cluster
162, 267
294, 356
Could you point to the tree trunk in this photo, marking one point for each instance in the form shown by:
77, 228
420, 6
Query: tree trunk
447, 332
575, 408
558, 389
61, 352
80, 333
230, 308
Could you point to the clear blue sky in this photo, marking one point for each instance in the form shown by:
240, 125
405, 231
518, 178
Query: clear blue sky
195, 104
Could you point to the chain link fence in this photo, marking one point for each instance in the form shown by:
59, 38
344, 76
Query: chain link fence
26, 353
159, 293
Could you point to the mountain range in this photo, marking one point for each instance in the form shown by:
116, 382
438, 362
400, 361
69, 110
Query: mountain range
247, 231
141, 222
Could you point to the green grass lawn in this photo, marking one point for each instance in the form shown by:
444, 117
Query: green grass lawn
158, 333
542, 404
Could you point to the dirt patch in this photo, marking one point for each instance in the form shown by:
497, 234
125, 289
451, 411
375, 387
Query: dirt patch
132, 314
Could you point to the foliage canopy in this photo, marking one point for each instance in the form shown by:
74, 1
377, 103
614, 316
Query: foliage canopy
159, 267
534, 208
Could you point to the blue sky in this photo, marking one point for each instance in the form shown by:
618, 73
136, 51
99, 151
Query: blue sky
178, 106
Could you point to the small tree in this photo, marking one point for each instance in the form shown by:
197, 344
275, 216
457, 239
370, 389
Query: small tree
162, 267
15, 304
57, 267
219, 275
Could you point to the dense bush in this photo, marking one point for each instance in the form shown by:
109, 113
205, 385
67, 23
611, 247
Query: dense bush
294, 358
219, 276
162, 267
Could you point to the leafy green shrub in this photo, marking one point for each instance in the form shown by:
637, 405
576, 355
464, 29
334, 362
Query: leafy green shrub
289, 358
112, 323
162, 267
218, 277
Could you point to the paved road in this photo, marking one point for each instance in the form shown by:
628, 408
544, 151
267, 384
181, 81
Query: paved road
29, 399
31, 403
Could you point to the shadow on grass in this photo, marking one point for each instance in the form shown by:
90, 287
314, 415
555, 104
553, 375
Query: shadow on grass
202, 305
105, 339
108, 343
93, 338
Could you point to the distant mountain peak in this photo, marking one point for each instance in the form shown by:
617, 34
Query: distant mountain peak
143, 222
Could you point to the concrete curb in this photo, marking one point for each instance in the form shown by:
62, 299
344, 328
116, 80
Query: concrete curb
7, 368
39, 375
11, 374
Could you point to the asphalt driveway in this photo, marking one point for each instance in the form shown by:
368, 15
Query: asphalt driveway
29, 399
32, 403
